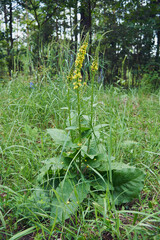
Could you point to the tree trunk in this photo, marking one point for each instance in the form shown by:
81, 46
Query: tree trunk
6, 32
75, 25
158, 45
10, 37
86, 19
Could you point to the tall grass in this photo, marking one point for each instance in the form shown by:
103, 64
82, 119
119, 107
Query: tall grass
132, 137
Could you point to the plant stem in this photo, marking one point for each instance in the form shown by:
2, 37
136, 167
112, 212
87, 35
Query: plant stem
92, 97
69, 109
79, 124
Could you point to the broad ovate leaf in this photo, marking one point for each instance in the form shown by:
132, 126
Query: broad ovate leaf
54, 164
67, 198
127, 182
60, 136
101, 162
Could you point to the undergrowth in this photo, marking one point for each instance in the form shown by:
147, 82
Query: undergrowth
73, 182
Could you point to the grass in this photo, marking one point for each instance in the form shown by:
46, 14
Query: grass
132, 136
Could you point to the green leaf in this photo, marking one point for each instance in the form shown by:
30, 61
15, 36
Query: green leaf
60, 136
71, 154
100, 162
94, 149
101, 183
127, 183
91, 153
74, 117
39, 199
23, 233
72, 128
54, 164
67, 198
99, 126
2, 220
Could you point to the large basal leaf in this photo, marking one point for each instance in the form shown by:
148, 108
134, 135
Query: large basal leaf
60, 136
100, 162
39, 199
67, 198
127, 182
54, 164
101, 183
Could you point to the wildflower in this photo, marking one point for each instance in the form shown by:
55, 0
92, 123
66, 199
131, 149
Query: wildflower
78, 65
77, 75
94, 66
70, 76
31, 85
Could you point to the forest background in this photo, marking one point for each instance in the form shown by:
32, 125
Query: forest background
132, 36
79, 119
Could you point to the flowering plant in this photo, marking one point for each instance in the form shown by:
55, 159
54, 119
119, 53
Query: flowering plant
83, 166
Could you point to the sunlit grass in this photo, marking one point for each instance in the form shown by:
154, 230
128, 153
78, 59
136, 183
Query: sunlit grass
134, 123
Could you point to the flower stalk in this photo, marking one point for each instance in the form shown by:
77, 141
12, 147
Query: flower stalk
75, 75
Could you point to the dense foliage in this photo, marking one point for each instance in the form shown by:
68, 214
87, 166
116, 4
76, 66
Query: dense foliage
79, 126
132, 34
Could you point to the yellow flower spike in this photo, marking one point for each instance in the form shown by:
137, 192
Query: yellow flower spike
76, 74
84, 83
75, 87
94, 66
70, 76
79, 144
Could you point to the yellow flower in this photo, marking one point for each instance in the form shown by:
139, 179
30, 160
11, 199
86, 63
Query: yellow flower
75, 74
94, 66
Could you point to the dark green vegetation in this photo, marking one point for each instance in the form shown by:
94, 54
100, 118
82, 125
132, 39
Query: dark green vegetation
130, 134
132, 36
79, 129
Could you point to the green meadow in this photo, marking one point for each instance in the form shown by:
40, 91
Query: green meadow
78, 163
